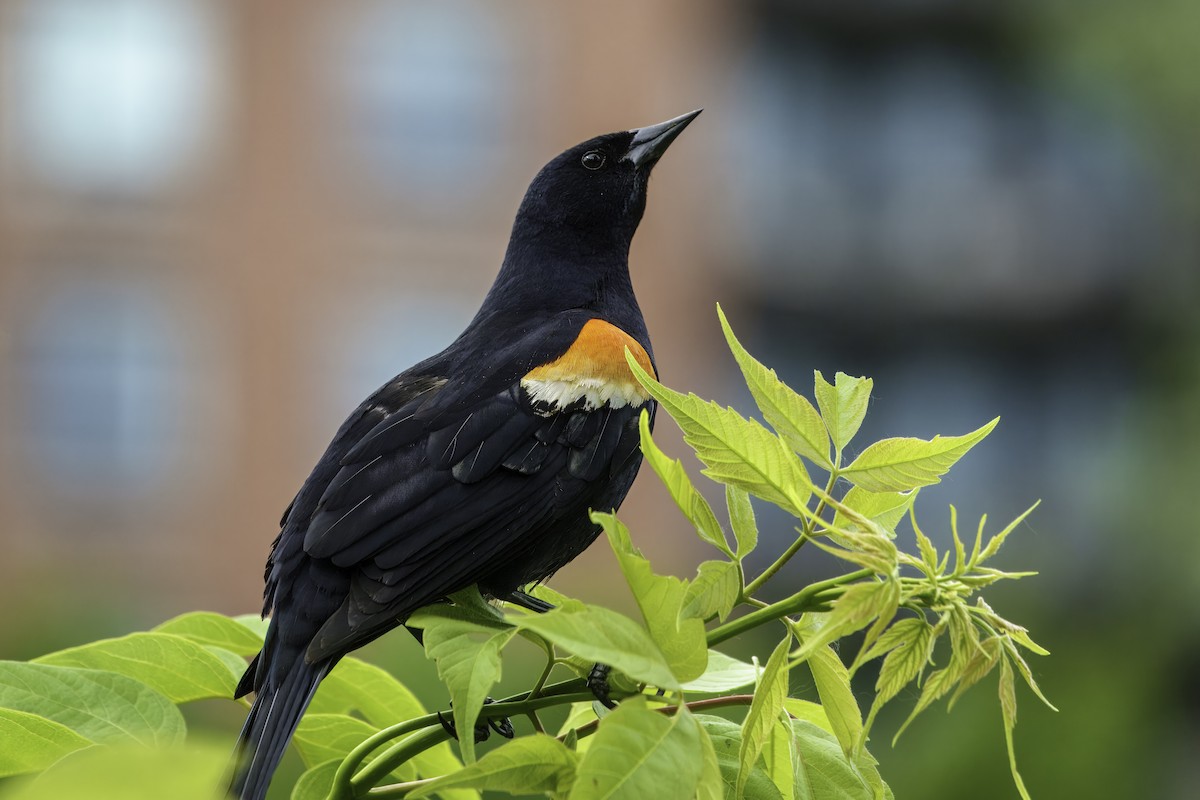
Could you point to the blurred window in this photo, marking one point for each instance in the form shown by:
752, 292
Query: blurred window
111, 95
923, 168
104, 375
431, 93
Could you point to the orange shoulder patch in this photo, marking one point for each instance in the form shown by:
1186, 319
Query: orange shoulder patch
593, 368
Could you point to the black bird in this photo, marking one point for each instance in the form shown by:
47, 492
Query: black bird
478, 465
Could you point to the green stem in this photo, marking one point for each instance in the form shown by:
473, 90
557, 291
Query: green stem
399, 790
342, 789
696, 705
401, 752
811, 597
795, 546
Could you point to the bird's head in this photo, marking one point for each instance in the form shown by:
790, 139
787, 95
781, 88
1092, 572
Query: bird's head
595, 192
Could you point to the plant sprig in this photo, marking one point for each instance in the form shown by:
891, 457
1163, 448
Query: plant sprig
920, 612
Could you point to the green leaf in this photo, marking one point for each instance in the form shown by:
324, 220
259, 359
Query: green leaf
741, 519
217, 630
901, 632
103, 707
602, 636
661, 598
788, 412
638, 753
837, 698
897, 465
779, 758
714, 591
825, 773
726, 739
531, 764
578, 715
359, 687
712, 784
735, 450
723, 673
1014, 656
130, 772
1008, 710
682, 490
808, 711
466, 651
993, 545
32, 743
315, 783
764, 710
979, 665
929, 554
322, 737
908, 644
885, 509
177, 667
858, 605
843, 405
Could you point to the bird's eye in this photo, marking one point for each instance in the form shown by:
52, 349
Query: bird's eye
593, 159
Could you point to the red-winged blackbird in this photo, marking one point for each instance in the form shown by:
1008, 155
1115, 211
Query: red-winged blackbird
478, 465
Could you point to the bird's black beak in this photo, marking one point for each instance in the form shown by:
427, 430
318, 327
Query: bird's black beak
651, 142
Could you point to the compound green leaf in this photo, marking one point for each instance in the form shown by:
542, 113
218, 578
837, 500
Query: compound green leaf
714, 591
741, 519
682, 490
735, 450
661, 598
901, 464
886, 509
843, 404
788, 412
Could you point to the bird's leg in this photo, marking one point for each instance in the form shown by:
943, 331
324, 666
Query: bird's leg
524, 600
502, 726
597, 682
597, 679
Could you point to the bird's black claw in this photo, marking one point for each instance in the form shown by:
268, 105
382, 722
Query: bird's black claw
597, 682
483, 727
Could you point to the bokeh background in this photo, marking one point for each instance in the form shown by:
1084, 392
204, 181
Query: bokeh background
223, 223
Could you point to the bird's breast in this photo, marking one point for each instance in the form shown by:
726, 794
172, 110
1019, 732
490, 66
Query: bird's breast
592, 370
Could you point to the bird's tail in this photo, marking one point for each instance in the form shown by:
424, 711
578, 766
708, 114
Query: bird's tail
273, 718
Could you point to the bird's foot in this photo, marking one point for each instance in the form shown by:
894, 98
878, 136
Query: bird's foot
597, 682
483, 727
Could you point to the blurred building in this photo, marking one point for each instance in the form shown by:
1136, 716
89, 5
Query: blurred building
223, 223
